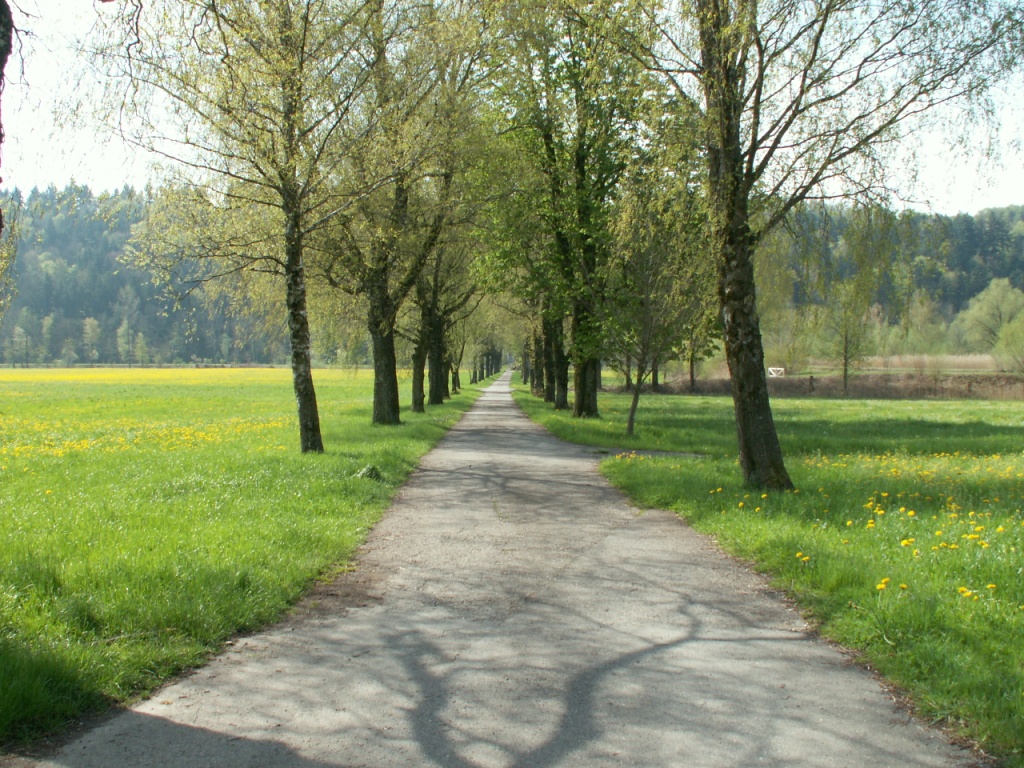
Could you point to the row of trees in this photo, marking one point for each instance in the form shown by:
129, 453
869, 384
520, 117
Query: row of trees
77, 301
348, 148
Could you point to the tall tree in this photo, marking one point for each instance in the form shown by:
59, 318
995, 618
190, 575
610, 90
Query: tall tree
423, 70
575, 97
250, 101
801, 99
6, 243
658, 279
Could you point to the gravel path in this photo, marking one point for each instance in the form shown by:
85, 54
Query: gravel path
512, 609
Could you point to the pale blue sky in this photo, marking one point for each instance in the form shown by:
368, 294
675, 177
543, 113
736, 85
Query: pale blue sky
37, 153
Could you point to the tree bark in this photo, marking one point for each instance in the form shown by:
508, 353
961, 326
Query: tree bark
631, 419
6, 45
537, 365
437, 370
310, 439
385, 378
419, 363
561, 377
587, 366
549, 328
846, 363
729, 190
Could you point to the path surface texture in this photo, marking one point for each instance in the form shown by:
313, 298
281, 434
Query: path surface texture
512, 610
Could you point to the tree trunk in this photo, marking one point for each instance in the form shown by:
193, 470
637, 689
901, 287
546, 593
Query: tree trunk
558, 384
385, 378
6, 45
759, 448
587, 365
729, 191
438, 372
655, 383
446, 367
310, 439
419, 362
585, 386
549, 329
693, 370
537, 366
631, 419
846, 364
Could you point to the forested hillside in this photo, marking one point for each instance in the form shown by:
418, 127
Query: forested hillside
842, 283
967, 252
77, 302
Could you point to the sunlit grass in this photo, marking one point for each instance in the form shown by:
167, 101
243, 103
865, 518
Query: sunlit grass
148, 515
904, 538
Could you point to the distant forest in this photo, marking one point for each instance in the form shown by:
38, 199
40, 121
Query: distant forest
78, 302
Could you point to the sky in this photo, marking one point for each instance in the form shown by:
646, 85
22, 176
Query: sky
39, 151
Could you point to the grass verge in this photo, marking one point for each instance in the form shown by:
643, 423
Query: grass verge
149, 515
904, 539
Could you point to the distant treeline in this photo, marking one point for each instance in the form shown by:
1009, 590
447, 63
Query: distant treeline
967, 252
76, 302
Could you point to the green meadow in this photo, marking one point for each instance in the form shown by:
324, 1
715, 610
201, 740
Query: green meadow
149, 515
904, 539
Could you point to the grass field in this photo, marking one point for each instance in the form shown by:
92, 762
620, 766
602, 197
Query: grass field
904, 538
149, 515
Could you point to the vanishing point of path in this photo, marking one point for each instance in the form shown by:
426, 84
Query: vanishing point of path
512, 610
